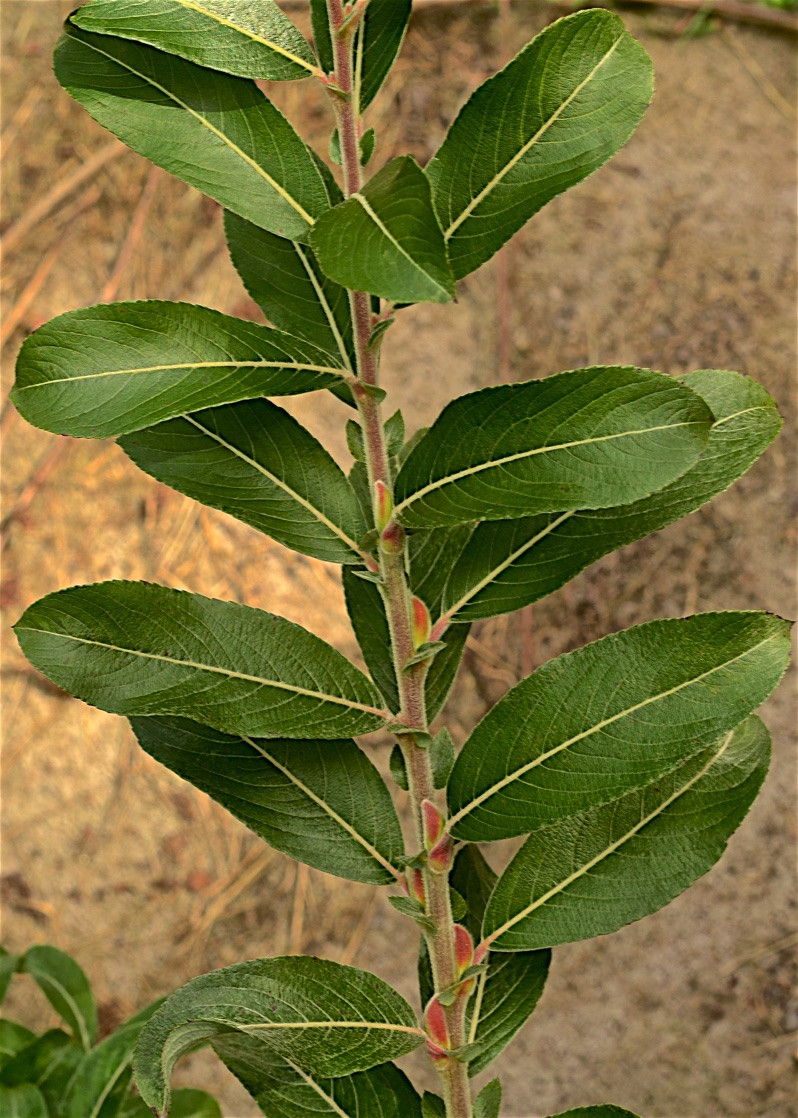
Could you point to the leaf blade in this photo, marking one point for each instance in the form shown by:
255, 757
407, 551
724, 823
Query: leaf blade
64, 984
229, 666
378, 41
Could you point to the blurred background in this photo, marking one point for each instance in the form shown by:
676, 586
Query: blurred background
678, 255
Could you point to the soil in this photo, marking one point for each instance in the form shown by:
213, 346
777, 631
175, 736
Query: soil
678, 255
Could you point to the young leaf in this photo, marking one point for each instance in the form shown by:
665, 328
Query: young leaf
328, 1019
378, 40
506, 565
216, 132
133, 648
13, 1038
320, 22
557, 112
283, 1090
119, 367
605, 1111
401, 255
8, 968
321, 802
251, 41
489, 1100
442, 757
611, 717
25, 1101
66, 988
589, 438
185, 1103
592, 873
48, 1063
255, 462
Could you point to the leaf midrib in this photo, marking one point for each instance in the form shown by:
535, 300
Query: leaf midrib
46, 977
276, 186
496, 462
383, 1026
389, 236
270, 43
524, 769
298, 365
614, 846
228, 672
497, 178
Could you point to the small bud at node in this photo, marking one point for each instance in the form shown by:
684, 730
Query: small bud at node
392, 538
422, 623
439, 858
417, 886
463, 948
433, 823
383, 505
439, 1057
435, 1023
480, 953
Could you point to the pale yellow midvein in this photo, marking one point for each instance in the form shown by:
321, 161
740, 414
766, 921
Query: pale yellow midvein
339, 341
211, 128
276, 481
497, 787
737, 414
187, 365
65, 994
319, 1091
613, 846
481, 982
387, 233
250, 35
494, 462
333, 814
228, 672
530, 143
384, 1026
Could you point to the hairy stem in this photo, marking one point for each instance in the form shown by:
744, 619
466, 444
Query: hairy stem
396, 592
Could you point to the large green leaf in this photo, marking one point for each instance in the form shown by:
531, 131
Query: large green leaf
589, 438
66, 987
186, 1102
377, 42
47, 1063
321, 802
13, 1037
286, 282
116, 368
254, 461
400, 250
506, 565
133, 648
367, 613
283, 1090
556, 113
237, 36
592, 873
25, 1101
610, 717
8, 967
328, 1019
214, 131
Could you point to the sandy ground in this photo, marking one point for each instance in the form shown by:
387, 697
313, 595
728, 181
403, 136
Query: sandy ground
678, 255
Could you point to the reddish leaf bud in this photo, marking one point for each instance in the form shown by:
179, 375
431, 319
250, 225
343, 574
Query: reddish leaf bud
392, 538
463, 948
417, 886
433, 823
435, 1023
422, 623
439, 1057
480, 953
383, 505
439, 858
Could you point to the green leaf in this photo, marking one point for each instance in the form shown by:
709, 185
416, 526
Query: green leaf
442, 757
184, 1103
611, 717
13, 1037
506, 565
255, 462
328, 1019
605, 1111
589, 438
250, 40
321, 802
367, 614
116, 368
489, 1100
378, 40
432, 1106
320, 22
400, 251
556, 113
215, 132
66, 988
434, 554
284, 279
102, 1079
283, 1090
25, 1101
592, 873
367, 142
47, 1063
8, 968
398, 768
133, 648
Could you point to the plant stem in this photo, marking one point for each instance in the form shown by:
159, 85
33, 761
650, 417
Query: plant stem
396, 592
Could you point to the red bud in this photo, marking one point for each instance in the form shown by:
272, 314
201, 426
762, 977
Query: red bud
439, 858
439, 1057
392, 538
422, 623
463, 948
417, 886
384, 505
435, 1023
433, 823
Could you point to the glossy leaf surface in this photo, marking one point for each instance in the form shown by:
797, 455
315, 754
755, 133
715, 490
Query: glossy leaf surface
120, 367
133, 648
255, 462
283, 1090
328, 1019
611, 717
592, 873
589, 438
400, 251
237, 36
321, 802
505, 565
216, 132
556, 113
66, 988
